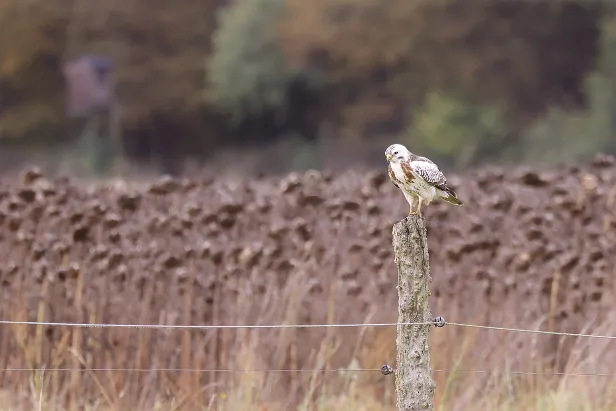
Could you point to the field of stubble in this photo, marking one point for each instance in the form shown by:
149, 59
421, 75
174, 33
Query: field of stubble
529, 250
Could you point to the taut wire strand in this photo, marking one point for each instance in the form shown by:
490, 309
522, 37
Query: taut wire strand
322, 370
438, 322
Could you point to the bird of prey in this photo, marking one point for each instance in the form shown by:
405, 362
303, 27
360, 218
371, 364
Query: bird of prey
418, 178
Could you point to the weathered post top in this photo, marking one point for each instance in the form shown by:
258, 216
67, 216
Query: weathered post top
414, 384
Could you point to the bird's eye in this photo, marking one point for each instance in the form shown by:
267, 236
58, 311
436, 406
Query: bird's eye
395, 153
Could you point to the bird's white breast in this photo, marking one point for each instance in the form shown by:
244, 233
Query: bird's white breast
417, 185
397, 169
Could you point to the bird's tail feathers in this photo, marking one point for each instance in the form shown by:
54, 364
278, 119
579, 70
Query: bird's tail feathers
451, 197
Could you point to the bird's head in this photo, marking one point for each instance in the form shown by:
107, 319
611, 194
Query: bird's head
397, 153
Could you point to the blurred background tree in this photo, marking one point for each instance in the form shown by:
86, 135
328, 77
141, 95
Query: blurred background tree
565, 135
458, 133
337, 80
247, 73
31, 50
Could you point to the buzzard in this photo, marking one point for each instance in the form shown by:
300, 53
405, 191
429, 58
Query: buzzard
418, 178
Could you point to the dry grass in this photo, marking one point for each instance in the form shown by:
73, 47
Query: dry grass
456, 389
185, 257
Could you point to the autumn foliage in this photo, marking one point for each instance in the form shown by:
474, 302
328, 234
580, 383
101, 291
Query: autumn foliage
197, 75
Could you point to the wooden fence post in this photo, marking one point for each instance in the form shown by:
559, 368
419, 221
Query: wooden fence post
414, 384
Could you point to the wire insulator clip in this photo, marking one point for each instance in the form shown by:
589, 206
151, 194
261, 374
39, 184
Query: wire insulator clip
386, 370
439, 322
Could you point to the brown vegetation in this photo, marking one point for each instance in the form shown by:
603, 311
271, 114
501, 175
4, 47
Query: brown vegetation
529, 249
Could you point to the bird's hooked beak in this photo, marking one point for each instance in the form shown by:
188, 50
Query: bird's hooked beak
388, 156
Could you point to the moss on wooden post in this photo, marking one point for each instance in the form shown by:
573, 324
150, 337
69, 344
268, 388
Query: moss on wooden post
414, 384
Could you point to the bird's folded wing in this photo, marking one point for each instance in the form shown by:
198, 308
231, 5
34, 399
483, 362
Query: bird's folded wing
420, 158
429, 171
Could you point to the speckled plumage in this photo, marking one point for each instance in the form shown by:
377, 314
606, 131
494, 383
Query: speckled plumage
418, 178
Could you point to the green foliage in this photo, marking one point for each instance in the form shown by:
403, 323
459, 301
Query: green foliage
95, 147
457, 131
247, 73
565, 136
562, 136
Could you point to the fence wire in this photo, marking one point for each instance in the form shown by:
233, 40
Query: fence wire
522, 330
320, 370
283, 326
206, 327
438, 322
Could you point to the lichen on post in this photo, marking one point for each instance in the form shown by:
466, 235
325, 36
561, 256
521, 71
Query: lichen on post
414, 384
